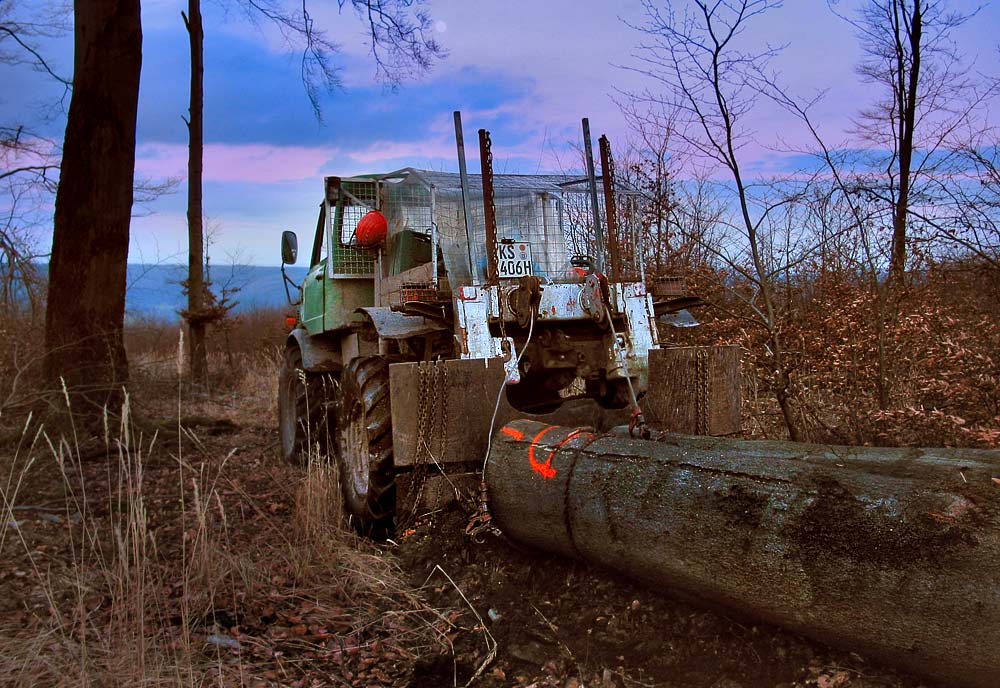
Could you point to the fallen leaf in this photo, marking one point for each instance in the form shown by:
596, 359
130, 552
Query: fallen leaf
841, 678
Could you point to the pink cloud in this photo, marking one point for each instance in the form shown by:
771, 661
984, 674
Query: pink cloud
393, 150
254, 163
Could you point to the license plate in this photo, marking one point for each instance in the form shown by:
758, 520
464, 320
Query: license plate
513, 260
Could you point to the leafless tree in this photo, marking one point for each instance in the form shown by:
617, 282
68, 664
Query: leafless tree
84, 318
29, 162
927, 107
27, 179
705, 76
907, 173
650, 170
964, 221
196, 314
402, 46
21, 34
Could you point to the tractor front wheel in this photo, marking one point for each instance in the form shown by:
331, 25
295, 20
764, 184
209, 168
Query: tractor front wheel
364, 446
302, 408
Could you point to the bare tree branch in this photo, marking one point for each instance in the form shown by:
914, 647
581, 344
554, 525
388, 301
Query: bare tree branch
710, 83
400, 34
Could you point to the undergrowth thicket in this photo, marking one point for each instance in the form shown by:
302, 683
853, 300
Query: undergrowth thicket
939, 367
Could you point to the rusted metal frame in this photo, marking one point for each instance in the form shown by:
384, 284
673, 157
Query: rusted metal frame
588, 152
336, 224
379, 262
435, 239
489, 210
317, 249
336, 203
610, 209
464, 177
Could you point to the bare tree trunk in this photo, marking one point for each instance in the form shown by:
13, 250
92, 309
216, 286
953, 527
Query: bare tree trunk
884, 319
907, 80
85, 317
195, 315
783, 394
713, 91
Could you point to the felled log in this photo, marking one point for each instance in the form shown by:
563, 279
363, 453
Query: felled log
894, 553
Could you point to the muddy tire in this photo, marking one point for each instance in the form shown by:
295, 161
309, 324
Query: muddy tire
364, 446
302, 408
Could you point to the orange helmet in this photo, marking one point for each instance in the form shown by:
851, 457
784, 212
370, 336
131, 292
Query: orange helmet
372, 229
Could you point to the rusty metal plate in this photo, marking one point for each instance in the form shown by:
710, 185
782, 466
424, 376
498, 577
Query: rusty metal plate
695, 390
441, 410
392, 325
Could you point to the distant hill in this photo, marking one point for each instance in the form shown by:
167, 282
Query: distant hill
154, 291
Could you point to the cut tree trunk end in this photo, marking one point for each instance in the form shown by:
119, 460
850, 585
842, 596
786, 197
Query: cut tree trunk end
894, 553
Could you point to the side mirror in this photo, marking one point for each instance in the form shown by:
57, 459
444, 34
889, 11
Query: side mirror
289, 247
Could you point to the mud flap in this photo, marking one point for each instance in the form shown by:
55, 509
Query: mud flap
441, 410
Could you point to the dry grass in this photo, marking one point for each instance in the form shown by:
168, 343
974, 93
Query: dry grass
193, 558
20, 362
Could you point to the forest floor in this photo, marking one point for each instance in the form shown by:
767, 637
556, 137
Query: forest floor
185, 552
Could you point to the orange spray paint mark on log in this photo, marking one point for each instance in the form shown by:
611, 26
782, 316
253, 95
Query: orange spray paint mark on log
512, 432
545, 468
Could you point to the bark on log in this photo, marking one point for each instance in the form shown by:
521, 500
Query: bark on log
894, 553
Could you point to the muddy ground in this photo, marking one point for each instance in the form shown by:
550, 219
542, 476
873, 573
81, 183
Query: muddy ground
558, 622
433, 607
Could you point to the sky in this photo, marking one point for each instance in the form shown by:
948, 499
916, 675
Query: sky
527, 71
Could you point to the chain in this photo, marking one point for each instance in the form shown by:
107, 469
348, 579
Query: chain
435, 411
488, 187
432, 423
421, 412
443, 410
612, 212
489, 204
701, 391
418, 475
614, 187
481, 523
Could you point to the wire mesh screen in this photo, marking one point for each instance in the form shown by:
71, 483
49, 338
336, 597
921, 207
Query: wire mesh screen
407, 205
349, 202
532, 217
356, 262
552, 213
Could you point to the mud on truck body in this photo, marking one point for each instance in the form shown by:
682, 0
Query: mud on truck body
466, 308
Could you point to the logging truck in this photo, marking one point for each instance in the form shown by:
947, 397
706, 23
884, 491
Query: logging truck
505, 322
438, 306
